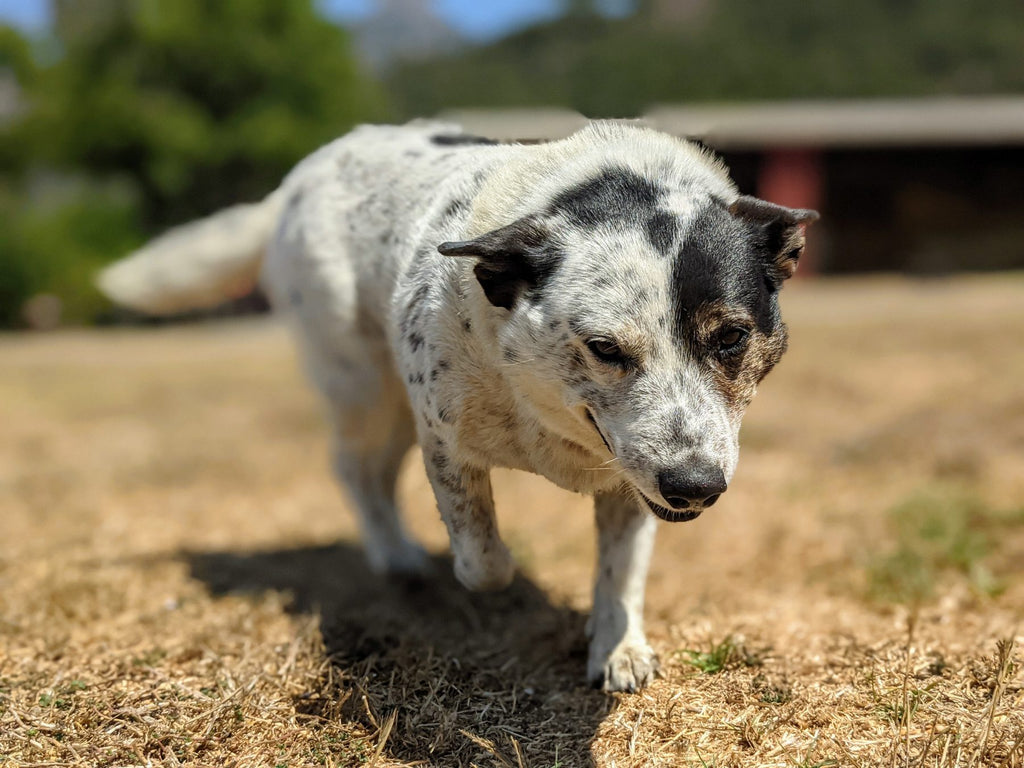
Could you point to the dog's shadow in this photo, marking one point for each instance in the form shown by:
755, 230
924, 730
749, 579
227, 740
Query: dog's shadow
468, 678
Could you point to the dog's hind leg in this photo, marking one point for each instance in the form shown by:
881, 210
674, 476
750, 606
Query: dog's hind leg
367, 454
620, 658
371, 432
324, 281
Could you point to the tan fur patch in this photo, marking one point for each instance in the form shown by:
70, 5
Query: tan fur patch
737, 377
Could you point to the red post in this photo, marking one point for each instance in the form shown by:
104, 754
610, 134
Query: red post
794, 177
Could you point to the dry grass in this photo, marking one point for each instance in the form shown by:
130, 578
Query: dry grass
179, 583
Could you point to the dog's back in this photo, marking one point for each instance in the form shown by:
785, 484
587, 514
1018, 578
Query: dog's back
364, 192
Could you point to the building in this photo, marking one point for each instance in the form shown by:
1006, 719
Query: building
922, 186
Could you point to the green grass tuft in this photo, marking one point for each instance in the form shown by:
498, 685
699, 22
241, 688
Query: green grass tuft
728, 654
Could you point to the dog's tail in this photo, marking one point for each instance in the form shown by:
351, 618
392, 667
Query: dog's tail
196, 265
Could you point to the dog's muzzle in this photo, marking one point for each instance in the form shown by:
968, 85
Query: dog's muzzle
697, 485
690, 490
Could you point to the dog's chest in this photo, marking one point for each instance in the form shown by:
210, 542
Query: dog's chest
491, 430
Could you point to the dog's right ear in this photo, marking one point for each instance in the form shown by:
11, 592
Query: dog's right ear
510, 260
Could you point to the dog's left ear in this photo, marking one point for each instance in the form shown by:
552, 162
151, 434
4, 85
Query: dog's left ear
510, 260
783, 229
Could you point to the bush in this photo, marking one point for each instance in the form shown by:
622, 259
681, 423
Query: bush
58, 249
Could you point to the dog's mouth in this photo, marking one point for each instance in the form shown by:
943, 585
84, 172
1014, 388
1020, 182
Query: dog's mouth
666, 514
670, 515
592, 420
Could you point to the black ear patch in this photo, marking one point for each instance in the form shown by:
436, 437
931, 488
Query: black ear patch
782, 229
511, 260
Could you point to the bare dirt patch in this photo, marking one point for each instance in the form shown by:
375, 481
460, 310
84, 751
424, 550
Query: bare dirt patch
181, 584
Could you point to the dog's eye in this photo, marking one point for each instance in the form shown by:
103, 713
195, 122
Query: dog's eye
607, 352
732, 340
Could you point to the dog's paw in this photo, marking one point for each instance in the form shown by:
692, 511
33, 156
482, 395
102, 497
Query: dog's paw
630, 667
486, 572
409, 560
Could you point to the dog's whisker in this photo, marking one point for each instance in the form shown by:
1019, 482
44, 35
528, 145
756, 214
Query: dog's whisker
517, 362
605, 465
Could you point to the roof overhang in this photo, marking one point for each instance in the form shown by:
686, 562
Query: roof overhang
988, 120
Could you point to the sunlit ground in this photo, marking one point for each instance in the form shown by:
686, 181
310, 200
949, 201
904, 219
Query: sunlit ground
180, 580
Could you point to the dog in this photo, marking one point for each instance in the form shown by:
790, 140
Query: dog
598, 310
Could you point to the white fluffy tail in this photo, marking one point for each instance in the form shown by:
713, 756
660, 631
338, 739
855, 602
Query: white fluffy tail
196, 265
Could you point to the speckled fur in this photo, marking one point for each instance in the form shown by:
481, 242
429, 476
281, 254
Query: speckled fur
483, 353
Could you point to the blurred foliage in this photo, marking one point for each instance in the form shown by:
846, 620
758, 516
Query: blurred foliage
672, 51
202, 104
936, 535
16, 55
190, 104
57, 248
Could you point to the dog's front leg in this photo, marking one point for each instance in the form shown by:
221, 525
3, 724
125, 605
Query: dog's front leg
620, 658
482, 561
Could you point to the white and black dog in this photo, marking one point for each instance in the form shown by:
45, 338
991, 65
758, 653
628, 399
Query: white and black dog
598, 310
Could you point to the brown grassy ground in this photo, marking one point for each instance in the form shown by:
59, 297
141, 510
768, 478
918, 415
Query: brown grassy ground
180, 584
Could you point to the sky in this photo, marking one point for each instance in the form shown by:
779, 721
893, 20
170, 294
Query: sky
478, 19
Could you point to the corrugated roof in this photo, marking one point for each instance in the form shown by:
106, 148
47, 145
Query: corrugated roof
994, 120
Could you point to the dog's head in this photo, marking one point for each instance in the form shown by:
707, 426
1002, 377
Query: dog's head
641, 318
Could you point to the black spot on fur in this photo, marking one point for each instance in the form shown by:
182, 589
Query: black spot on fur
442, 468
293, 202
460, 140
663, 231
412, 313
467, 326
721, 261
510, 355
416, 379
414, 341
445, 415
443, 364
455, 207
616, 194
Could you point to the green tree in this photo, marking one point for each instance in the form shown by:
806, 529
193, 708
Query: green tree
200, 103
700, 50
140, 114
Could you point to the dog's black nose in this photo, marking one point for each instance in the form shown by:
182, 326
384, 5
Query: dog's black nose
694, 485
